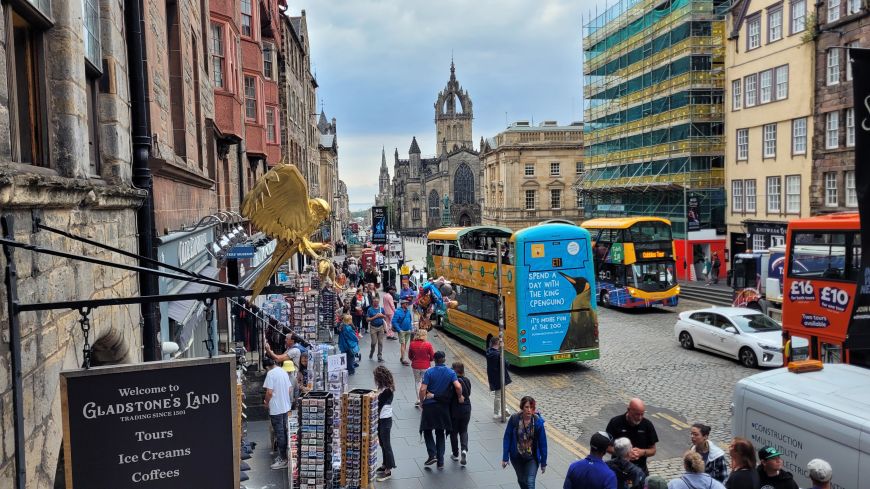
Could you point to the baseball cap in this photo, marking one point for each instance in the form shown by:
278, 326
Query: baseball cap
289, 366
656, 482
768, 453
820, 470
600, 441
440, 355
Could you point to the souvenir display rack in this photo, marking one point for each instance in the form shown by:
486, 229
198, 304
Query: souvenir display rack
359, 438
315, 440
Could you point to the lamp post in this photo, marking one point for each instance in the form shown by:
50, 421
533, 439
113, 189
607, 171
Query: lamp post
500, 328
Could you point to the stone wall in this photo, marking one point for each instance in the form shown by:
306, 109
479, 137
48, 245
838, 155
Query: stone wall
66, 195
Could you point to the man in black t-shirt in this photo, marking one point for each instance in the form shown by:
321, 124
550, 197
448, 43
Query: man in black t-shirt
639, 430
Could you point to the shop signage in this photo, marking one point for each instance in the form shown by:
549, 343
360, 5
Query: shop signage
767, 228
190, 247
379, 225
611, 207
161, 424
241, 251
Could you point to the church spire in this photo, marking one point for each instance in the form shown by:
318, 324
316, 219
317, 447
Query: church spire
452, 69
383, 159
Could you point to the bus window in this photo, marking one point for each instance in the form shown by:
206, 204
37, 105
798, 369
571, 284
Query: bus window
818, 255
800, 348
831, 353
650, 231
453, 251
654, 275
853, 271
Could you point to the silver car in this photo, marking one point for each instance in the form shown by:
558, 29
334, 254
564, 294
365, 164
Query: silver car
744, 334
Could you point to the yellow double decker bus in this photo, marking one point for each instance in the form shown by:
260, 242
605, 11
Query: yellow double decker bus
547, 280
634, 261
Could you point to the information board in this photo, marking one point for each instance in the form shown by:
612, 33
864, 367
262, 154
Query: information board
167, 425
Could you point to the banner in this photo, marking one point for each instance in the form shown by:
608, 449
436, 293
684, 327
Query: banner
859, 326
165, 424
379, 225
693, 214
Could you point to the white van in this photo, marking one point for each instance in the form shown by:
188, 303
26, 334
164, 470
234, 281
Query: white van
824, 414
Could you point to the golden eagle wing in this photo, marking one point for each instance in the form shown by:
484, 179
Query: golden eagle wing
278, 204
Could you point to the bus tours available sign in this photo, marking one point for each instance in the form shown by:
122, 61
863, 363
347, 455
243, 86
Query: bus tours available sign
160, 425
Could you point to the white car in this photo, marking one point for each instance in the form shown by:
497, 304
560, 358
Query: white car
745, 334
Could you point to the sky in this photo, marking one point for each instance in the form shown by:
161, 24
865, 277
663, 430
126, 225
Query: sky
381, 63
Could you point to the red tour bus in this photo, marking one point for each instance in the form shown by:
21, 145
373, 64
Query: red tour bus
823, 263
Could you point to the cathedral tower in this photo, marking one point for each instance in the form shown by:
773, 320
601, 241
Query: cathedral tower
453, 116
384, 182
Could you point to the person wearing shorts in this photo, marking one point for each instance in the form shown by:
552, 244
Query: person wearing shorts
403, 324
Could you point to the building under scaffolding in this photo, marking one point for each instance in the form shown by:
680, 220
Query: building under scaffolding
654, 141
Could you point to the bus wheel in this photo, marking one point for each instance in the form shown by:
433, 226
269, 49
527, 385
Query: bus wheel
686, 340
748, 358
602, 298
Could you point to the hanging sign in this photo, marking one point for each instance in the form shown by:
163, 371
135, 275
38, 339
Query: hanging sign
379, 225
160, 424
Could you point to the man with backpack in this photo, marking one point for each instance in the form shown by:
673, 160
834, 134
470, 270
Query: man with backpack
435, 396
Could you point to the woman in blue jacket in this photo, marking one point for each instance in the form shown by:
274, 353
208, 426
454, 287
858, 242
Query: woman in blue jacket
348, 343
525, 444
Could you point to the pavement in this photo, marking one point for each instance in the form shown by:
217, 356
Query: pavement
483, 470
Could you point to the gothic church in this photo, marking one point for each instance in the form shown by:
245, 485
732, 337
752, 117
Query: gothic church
443, 190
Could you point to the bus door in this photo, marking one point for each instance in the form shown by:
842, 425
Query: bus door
555, 291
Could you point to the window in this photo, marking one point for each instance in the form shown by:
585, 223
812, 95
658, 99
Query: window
851, 194
555, 171
753, 32
247, 19
765, 86
798, 16
850, 127
26, 96
463, 185
555, 198
773, 194
742, 144
91, 17
530, 169
268, 60
799, 136
736, 96
530, 200
853, 6
833, 10
832, 130
93, 126
250, 98
271, 133
769, 146
833, 77
750, 85
831, 196
749, 195
852, 44
579, 197
758, 242
737, 196
782, 82
217, 54
831, 255
774, 25
793, 194
580, 168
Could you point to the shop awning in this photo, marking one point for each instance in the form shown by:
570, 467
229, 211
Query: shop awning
182, 311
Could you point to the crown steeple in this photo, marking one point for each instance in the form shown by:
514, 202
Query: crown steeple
452, 119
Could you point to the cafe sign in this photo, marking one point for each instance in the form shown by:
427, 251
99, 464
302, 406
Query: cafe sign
167, 425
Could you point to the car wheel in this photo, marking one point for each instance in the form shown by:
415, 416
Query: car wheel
686, 340
748, 358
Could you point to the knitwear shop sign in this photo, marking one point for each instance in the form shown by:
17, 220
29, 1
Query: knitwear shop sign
167, 425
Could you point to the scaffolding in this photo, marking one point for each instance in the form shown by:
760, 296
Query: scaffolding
654, 95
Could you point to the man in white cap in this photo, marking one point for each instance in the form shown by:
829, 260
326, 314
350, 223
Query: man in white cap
820, 473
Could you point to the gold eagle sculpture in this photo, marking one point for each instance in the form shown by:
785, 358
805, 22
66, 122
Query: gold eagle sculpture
279, 206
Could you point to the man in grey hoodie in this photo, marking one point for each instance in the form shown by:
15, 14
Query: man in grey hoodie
694, 478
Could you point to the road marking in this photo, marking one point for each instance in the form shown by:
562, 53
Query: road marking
560, 437
673, 420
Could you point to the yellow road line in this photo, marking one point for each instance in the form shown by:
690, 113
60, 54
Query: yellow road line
674, 420
560, 437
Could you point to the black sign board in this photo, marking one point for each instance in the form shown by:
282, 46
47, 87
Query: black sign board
858, 336
167, 425
693, 214
379, 225
766, 228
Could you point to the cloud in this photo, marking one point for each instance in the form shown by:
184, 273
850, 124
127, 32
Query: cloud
380, 65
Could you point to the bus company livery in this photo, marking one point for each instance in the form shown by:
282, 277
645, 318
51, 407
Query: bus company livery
634, 261
547, 282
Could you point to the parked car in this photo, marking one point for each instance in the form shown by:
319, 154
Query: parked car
748, 335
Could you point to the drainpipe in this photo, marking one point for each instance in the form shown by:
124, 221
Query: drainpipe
141, 130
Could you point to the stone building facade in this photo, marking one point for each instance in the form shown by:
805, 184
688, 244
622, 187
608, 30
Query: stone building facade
428, 193
529, 172
769, 120
65, 157
840, 23
328, 150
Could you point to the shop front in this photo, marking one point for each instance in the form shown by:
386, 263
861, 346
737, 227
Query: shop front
761, 235
184, 322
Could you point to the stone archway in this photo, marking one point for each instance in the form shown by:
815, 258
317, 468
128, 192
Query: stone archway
464, 220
